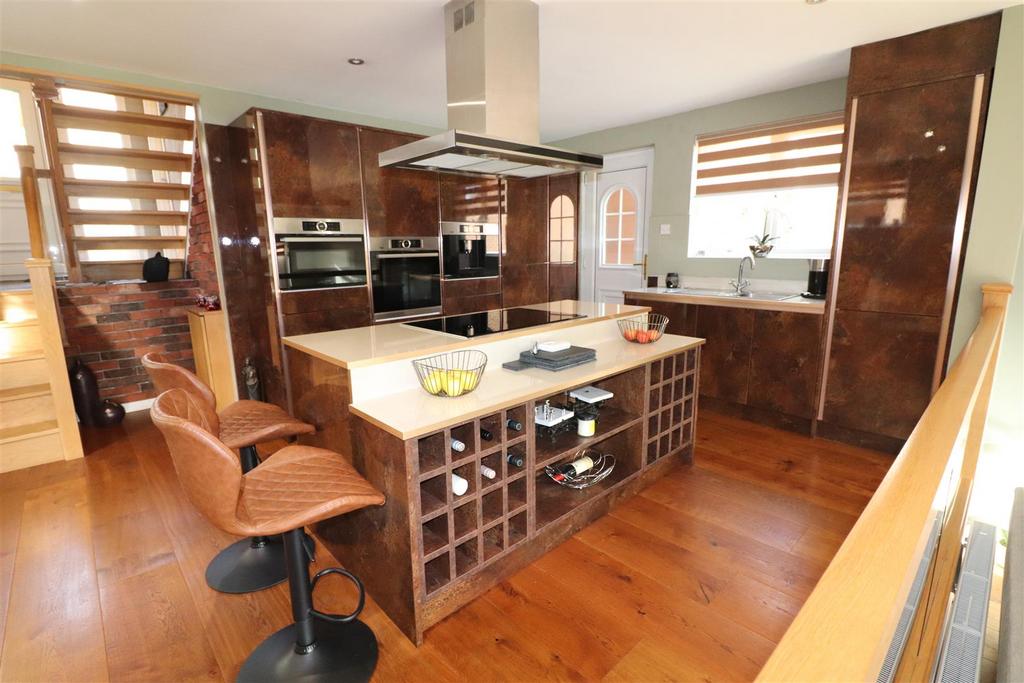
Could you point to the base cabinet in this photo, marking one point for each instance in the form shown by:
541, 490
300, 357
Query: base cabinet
762, 365
324, 309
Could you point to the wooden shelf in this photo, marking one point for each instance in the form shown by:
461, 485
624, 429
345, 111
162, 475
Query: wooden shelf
123, 122
612, 421
555, 501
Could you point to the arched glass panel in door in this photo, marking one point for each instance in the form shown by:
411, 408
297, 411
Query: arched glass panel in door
618, 228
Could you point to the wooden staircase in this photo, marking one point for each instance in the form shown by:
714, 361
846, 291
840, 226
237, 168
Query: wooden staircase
111, 225
37, 415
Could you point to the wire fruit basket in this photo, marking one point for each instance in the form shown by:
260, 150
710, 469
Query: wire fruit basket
451, 374
644, 329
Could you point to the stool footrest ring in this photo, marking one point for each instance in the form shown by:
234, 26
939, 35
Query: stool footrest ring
339, 618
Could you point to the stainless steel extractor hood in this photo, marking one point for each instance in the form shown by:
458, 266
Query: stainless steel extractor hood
492, 57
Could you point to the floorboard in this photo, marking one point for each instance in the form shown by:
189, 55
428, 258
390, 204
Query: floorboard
102, 566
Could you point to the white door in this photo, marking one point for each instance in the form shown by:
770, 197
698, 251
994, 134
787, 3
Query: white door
614, 232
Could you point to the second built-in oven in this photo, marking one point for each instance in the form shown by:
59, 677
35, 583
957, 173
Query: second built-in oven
318, 253
405, 277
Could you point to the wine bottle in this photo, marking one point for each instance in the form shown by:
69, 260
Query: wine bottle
487, 472
515, 459
457, 445
486, 435
574, 468
514, 424
459, 485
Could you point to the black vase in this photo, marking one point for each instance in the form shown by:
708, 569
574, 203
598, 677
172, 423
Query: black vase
92, 411
156, 268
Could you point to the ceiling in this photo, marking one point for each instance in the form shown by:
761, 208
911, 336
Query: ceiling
603, 63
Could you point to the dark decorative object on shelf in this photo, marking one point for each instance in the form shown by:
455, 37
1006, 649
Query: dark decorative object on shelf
156, 268
92, 411
672, 280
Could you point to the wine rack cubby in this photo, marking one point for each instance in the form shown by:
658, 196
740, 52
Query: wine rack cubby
461, 533
508, 511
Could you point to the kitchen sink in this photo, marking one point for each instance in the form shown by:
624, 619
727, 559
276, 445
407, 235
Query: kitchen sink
729, 293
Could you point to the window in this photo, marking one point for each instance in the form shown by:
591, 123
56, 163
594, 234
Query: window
562, 232
618, 228
779, 181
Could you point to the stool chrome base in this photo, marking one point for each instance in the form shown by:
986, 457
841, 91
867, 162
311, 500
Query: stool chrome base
343, 652
251, 565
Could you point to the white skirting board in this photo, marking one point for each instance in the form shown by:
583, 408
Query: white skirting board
136, 406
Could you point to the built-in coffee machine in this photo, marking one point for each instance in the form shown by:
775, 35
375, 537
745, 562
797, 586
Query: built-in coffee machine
817, 278
470, 249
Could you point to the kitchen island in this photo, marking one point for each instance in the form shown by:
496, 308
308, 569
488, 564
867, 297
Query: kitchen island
429, 551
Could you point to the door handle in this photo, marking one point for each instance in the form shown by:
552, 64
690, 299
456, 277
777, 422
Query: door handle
644, 264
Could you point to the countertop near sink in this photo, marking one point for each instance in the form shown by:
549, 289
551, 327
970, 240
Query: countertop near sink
763, 301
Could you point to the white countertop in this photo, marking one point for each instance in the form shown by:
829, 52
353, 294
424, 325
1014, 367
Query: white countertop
364, 346
764, 301
413, 412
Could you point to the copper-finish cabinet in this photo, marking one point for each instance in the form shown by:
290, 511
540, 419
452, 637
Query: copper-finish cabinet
471, 295
322, 310
313, 166
525, 229
725, 361
784, 356
905, 175
398, 201
470, 199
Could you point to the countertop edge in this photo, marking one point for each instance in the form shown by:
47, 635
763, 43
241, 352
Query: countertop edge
460, 343
546, 390
814, 308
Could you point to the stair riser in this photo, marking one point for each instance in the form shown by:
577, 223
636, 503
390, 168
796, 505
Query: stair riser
20, 338
23, 411
17, 306
30, 451
23, 373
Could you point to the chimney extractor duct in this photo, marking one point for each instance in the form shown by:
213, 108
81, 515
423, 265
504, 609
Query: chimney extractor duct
492, 58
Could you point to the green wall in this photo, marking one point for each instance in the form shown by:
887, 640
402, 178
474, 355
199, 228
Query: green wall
673, 137
995, 250
218, 105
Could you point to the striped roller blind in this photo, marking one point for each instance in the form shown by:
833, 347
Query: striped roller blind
802, 153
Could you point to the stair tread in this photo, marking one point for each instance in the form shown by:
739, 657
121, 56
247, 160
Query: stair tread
78, 187
131, 238
69, 116
27, 431
67, 147
27, 391
21, 356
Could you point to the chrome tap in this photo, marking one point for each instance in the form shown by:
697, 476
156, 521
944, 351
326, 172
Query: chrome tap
741, 285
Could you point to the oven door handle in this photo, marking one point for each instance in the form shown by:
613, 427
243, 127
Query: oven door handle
431, 254
319, 239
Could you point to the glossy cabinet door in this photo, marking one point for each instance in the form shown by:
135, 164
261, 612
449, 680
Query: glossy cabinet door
322, 310
880, 371
563, 236
525, 238
471, 295
905, 176
725, 358
784, 359
399, 202
470, 199
313, 166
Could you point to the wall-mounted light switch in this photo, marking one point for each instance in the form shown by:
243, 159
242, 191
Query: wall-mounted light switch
666, 229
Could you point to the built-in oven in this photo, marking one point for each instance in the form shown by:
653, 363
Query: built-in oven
405, 277
470, 249
317, 253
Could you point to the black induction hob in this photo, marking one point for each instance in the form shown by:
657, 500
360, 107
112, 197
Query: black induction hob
491, 322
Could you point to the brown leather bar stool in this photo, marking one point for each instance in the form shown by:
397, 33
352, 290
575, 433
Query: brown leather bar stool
296, 486
250, 564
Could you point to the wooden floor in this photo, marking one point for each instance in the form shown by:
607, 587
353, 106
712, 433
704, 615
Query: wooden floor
102, 561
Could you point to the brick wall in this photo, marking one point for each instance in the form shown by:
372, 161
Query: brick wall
110, 327
202, 267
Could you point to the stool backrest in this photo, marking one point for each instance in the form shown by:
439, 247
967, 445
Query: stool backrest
208, 470
166, 376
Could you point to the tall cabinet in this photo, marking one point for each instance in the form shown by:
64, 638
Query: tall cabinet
915, 118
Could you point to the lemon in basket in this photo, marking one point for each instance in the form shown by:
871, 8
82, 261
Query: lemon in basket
435, 381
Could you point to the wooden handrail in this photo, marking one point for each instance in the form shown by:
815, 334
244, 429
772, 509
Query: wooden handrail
844, 629
30, 194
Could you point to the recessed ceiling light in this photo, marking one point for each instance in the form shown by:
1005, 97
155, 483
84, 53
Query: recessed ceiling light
355, 61
814, 2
